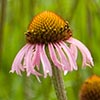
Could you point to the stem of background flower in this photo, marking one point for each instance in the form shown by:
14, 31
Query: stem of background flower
58, 84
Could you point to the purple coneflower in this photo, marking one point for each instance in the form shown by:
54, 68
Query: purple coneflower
49, 39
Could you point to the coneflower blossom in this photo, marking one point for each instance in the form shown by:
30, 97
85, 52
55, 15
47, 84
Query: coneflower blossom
49, 39
90, 89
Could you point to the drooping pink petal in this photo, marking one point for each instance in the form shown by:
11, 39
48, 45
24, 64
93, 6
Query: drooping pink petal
36, 57
54, 56
17, 64
73, 49
87, 58
28, 58
29, 64
45, 61
63, 58
72, 61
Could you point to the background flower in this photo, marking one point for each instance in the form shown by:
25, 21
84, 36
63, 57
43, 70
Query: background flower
90, 89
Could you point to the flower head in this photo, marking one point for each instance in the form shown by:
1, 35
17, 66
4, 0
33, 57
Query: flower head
91, 89
49, 38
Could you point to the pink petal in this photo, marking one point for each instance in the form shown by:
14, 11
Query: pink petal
28, 58
63, 58
45, 61
70, 56
29, 64
54, 57
17, 64
36, 57
73, 50
87, 58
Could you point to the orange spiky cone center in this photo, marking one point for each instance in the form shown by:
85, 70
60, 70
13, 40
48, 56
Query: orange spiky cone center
91, 89
47, 27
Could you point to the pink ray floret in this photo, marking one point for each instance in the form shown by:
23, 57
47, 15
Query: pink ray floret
87, 58
63, 56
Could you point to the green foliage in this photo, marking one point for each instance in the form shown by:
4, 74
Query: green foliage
84, 19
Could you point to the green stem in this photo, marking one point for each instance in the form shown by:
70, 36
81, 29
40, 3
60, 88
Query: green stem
58, 84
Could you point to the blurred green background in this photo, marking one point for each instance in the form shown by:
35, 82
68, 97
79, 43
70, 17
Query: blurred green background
15, 16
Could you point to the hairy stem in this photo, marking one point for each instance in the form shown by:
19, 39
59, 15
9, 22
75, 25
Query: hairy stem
58, 84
